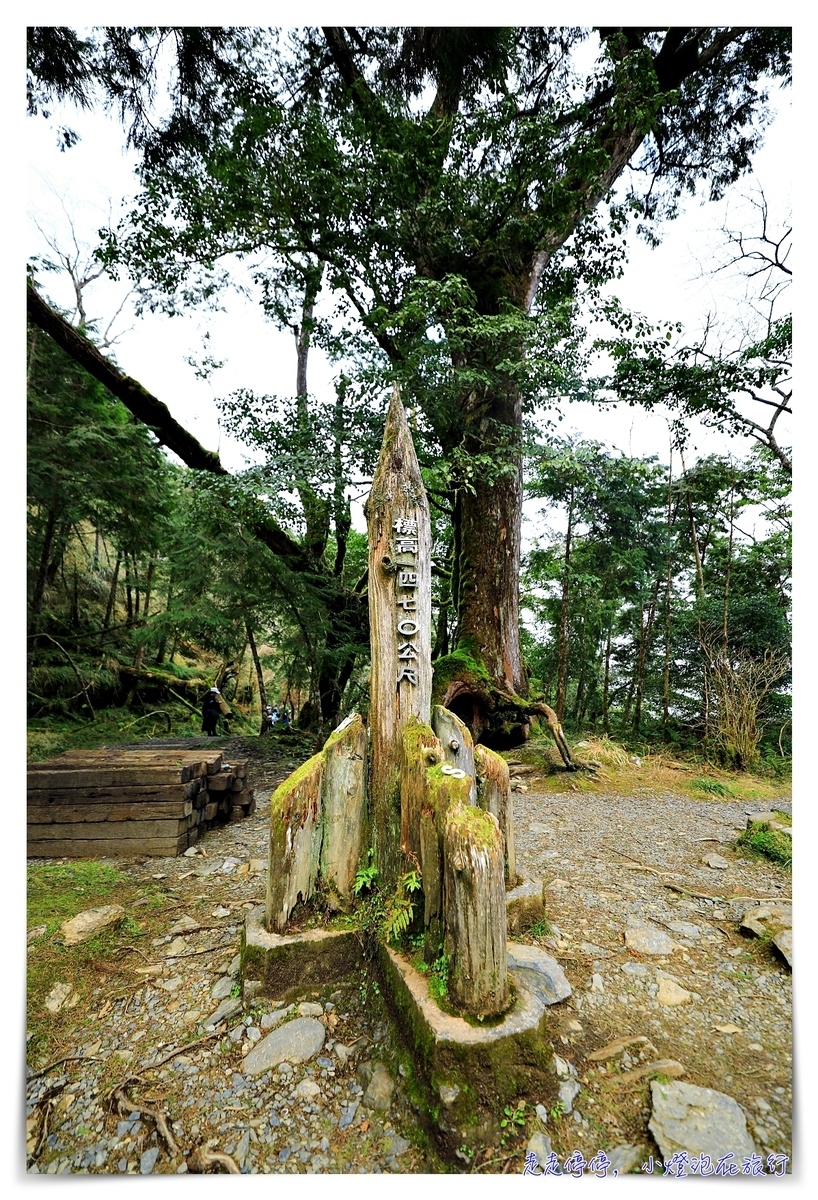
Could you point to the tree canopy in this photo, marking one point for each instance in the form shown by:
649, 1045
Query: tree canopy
435, 206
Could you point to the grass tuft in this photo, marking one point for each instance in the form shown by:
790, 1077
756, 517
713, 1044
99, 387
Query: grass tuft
764, 842
712, 787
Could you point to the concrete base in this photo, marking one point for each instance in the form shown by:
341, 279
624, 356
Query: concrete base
524, 906
462, 1074
468, 1071
288, 963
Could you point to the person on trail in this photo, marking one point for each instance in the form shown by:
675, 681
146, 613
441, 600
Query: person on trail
274, 716
284, 720
210, 712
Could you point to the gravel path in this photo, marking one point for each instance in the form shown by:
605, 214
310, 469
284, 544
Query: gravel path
606, 861
327, 1115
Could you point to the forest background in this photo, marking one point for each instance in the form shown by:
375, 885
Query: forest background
15, 716
593, 630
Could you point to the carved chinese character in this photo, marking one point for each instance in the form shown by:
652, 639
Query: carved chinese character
408, 673
407, 579
405, 525
408, 650
408, 603
406, 545
408, 627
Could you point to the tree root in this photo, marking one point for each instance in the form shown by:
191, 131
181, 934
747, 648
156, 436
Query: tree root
125, 1104
555, 727
58, 1063
129, 1079
203, 1157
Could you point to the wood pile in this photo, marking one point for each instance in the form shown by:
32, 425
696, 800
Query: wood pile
131, 803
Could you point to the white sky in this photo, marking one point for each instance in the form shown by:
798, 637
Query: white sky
661, 282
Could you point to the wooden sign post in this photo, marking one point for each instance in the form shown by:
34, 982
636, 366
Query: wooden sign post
400, 618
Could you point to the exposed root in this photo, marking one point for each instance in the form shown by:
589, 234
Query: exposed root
203, 1158
58, 1063
124, 1104
35, 1140
129, 1079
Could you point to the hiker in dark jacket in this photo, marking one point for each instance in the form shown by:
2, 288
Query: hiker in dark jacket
210, 712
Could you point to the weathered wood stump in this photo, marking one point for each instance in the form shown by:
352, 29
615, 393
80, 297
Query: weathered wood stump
295, 841
444, 786
457, 743
420, 749
494, 796
316, 825
343, 796
475, 911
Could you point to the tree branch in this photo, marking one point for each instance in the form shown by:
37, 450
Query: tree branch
138, 400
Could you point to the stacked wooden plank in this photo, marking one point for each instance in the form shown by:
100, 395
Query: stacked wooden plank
131, 803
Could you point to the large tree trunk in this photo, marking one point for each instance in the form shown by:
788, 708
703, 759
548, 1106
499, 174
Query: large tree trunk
262, 690
42, 574
562, 673
489, 519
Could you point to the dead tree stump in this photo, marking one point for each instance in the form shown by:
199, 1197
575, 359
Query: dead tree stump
420, 749
342, 807
295, 841
494, 796
457, 743
474, 899
444, 786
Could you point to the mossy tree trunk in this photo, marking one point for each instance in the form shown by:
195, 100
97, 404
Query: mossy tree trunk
494, 796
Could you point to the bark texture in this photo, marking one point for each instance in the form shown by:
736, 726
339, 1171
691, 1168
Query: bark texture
489, 520
475, 912
400, 613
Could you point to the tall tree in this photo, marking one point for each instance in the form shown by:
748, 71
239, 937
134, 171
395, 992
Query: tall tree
439, 176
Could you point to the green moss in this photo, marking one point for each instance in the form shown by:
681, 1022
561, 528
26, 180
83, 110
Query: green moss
349, 731
767, 843
464, 664
475, 824
417, 738
279, 801
445, 791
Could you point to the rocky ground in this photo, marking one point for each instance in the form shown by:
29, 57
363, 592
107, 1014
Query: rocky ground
153, 1076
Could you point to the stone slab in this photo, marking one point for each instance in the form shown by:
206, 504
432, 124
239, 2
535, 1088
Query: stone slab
698, 1120
295, 1041
531, 968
